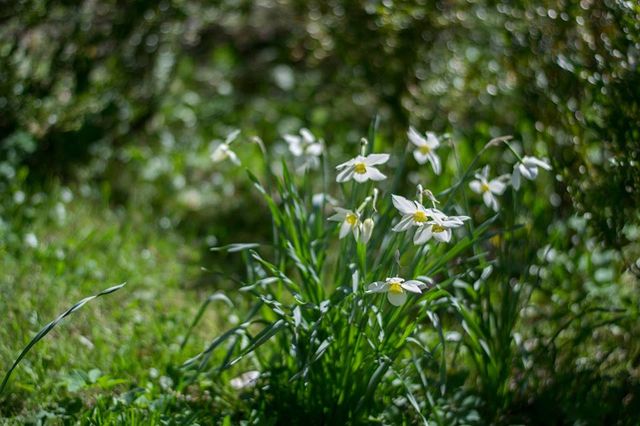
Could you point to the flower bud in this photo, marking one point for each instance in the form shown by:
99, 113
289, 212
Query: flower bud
367, 230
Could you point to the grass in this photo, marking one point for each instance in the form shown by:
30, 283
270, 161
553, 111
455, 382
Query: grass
113, 344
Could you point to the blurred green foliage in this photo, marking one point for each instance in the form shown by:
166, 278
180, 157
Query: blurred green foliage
125, 98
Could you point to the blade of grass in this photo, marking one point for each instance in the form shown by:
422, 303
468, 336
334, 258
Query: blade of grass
47, 328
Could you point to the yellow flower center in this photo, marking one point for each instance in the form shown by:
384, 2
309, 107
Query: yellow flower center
395, 288
420, 216
351, 219
484, 187
360, 168
424, 149
437, 228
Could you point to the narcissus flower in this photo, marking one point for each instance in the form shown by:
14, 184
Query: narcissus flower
223, 152
306, 147
425, 148
361, 168
350, 222
429, 222
527, 167
413, 213
396, 289
489, 188
439, 227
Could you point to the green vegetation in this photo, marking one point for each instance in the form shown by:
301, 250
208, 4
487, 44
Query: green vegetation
243, 303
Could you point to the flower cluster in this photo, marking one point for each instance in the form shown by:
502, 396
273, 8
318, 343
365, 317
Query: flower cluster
426, 223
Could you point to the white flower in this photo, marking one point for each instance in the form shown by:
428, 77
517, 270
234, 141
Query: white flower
413, 214
439, 227
425, 148
430, 222
307, 147
223, 152
350, 222
367, 230
361, 168
528, 168
396, 289
245, 380
488, 188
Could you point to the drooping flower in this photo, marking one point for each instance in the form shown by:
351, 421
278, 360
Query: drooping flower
350, 221
305, 147
396, 289
425, 148
361, 168
223, 152
527, 167
489, 188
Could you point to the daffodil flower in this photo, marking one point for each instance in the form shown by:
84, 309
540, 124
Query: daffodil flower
396, 289
439, 227
488, 188
527, 167
350, 222
361, 168
223, 152
306, 147
425, 148
413, 213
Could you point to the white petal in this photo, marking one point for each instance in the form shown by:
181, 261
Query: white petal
219, 154
404, 224
515, 178
377, 287
231, 137
356, 231
233, 157
412, 286
307, 135
485, 172
344, 229
420, 157
315, 149
527, 172
405, 206
375, 174
435, 162
346, 164
497, 186
476, 186
422, 235
397, 299
487, 197
373, 159
361, 177
345, 175
432, 140
295, 147
444, 236
533, 161
340, 214
415, 137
